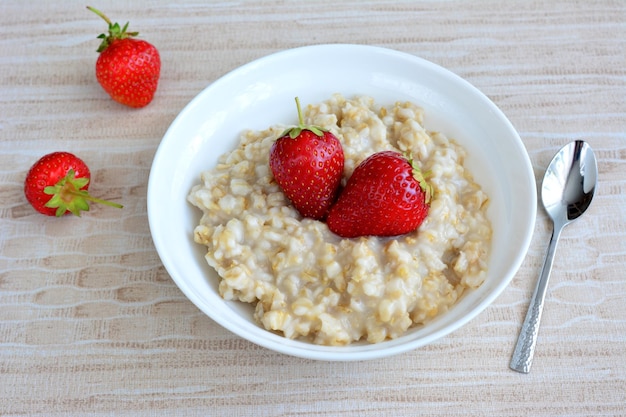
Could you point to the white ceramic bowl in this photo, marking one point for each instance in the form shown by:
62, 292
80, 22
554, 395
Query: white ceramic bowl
260, 94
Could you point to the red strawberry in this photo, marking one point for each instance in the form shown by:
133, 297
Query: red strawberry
307, 163
57, 184
386, 195
128, 69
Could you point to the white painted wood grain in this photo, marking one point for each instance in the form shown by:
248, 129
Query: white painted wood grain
92, 325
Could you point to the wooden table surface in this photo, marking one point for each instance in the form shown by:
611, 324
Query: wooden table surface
92, 325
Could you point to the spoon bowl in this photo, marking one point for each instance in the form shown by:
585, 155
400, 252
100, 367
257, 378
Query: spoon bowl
566, 192
569, 182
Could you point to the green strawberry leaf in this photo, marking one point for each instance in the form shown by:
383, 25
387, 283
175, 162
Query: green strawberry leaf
295, 132
115, 32
317, 130
421, 179
68, 196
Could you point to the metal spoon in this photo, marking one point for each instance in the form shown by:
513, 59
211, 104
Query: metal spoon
568, 187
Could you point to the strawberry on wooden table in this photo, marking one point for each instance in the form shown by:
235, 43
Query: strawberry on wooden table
57, 184
128, 69
307, 163
386, 195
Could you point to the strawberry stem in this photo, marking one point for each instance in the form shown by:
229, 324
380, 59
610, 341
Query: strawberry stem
300, 118
99, 13
95, 199
115, 31
295, 131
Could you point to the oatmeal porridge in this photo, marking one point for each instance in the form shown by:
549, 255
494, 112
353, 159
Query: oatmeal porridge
307, 282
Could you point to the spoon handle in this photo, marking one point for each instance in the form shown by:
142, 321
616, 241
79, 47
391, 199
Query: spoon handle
525, 348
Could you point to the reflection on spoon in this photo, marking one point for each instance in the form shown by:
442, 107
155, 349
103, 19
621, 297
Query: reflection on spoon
567, 190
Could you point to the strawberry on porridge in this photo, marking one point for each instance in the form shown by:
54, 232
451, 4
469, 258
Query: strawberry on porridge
309, 282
